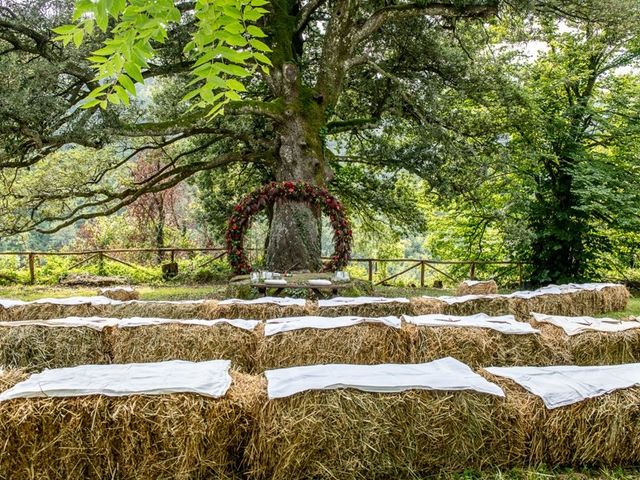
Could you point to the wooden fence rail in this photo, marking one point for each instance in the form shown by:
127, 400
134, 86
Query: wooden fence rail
219, 252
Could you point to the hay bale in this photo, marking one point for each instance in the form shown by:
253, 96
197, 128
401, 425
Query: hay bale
481, 347
136, 437
156, 343
367, 310
613, 299
576, 303
491, 305
102, 307
426, 305
10, 377
358, 435
601, 431
594, 348
119, 293
49, 311
36, 347
158, 309
364, 344
264, 311
477, 287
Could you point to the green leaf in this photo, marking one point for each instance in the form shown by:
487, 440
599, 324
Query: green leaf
255, 31
258, 45
65, 29
96, 59
104, 51
231, 39
234, 84
236, 28
234, 70
77, 38
262, 58
97, 91
65, 39
91, 103
191, 94
127, 83
231, 95
232, 12
134, 72
215, 81
122, 94
113, 98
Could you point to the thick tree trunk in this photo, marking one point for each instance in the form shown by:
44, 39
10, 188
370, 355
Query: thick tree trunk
294, 236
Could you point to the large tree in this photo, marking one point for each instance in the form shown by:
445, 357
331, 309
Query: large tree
335, 66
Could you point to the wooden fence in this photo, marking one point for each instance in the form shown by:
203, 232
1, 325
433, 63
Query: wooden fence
423, 265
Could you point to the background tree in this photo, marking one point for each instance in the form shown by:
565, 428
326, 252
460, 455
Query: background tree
571, 134
323, 57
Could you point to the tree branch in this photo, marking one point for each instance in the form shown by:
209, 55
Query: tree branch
158, 183
394, 12
305, 13
340, 126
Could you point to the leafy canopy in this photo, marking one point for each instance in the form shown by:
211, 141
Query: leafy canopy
224, 46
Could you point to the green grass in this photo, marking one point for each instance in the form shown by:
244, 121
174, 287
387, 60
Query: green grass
164, 292
543, 474
633, 309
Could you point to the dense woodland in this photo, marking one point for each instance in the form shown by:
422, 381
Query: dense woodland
451, 130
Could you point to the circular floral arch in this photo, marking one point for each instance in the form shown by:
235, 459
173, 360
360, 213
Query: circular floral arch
295, 191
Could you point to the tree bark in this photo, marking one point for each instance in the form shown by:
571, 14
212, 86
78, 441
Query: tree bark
294, 236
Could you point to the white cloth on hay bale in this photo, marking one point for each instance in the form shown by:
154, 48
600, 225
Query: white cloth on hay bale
210, 379
354, 301
564, 385
446, 374
577, 325
280, 301
281, 325
506, 324
548, 290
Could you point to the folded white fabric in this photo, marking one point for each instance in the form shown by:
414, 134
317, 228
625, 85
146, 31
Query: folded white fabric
504, 324
565, 385
95, 300
577, 325
463, 298
144, 322
444, 374
350, 301
280, 301
210, 378
97, 323
8, 303
281, 325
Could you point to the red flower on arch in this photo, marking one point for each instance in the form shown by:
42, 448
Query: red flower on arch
296, 191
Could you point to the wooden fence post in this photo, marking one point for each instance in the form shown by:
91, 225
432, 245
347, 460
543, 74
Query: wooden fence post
32, 268
422, 274
472, 272
520, 275
370, 262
